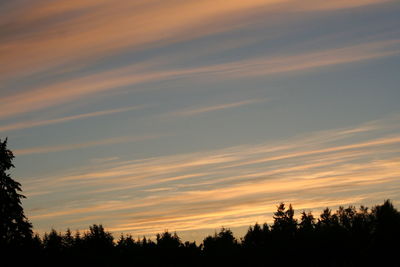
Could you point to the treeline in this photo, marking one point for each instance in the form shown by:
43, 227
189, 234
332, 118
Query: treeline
347, 237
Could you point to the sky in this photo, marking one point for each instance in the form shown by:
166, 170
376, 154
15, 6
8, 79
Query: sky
187, 115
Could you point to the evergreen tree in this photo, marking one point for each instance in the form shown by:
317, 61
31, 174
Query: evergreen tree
68, 239
222, 248
386, 228
77, 240
53, 242
15, 229
98, 238
284, 222
168, 241
256, 236
307, 223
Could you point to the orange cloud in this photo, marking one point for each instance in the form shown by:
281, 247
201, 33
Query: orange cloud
71, 34
62, 92
92, 29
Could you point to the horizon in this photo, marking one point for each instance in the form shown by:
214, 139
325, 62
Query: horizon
238, 235
190, 116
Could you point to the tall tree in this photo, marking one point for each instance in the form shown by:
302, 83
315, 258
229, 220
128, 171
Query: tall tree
98, 239
307, 223
256, 236
284, 221
15, 229
167, 240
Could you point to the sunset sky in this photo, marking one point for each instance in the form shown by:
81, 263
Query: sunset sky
189, 115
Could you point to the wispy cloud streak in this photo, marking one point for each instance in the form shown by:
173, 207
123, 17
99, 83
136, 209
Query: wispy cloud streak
31, 124
45, 97
232, 187
66, 147
206, 109
87, 30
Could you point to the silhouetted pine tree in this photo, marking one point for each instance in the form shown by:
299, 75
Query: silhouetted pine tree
221, 249
285, 224
283, 232
386, 233
15, 229
256, 236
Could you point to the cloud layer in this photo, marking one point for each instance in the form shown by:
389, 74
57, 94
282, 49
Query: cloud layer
232, 187
81, 34
190, 115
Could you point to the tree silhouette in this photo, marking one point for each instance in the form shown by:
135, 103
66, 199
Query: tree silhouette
346, 237
386, 232
169, 248
15, 229
222, 240
221, 249
98, 238
386, 223
256, 236
168, 241
97, 247
255, 243
68, 239
285, 225
53, 242
307, 223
